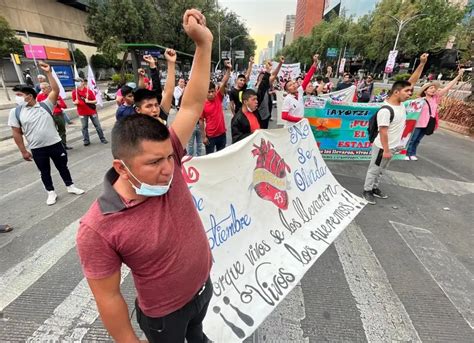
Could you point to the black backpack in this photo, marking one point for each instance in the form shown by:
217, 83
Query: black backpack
19, 108
373, 128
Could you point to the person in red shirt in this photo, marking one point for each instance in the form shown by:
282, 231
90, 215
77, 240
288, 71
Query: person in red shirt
57, 111
212, 122
85, 101
247, 120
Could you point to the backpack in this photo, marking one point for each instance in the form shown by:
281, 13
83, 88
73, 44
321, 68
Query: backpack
373, 128
19, 108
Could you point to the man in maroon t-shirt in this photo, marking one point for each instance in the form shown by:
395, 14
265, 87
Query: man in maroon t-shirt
212, 122
146, 219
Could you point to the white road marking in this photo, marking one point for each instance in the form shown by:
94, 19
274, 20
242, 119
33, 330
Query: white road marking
18, 278
284, 323
456, 281
72, 319
383, 315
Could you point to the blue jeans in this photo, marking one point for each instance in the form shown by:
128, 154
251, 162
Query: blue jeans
196, 137
216, 143
415, 139
85, 127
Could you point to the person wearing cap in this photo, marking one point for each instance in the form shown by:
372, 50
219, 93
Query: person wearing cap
85, 101
37, 125
432, 94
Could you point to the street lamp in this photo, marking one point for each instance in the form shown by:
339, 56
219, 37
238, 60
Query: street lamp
231, 40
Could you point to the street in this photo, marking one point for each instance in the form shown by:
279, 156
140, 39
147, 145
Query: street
402, 271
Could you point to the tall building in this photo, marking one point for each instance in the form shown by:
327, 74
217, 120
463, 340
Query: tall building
278, 43
348, 7
270, 49
289, 29
309, 13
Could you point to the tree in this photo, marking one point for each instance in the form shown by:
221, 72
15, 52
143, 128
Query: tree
80, 58
9, 44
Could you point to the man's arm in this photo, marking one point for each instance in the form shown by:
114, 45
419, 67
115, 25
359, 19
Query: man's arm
274, 74
383, 132
443, 91
202, 127
53, 95
192, 104
167, 100
225, 79
417, 73
155, 76
18, 138
311, 71
112, 308
249, 69
232, 107
141, 79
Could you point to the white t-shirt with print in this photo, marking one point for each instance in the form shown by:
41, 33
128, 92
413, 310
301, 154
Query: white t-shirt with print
295, 107
395, 128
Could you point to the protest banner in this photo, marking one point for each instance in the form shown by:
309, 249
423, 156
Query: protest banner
287, 72
270, 207
392, 57
340, 129
344, 95
92, 85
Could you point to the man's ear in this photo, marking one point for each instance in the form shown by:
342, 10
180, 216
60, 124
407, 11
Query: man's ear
120, 169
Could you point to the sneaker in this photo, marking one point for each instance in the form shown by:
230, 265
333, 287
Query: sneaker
87, 143
52, 196
67, 147
413, 158
379, 194
369, 197
74, 190
104, 141
407, 158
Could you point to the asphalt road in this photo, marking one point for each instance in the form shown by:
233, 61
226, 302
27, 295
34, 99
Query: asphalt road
403, 271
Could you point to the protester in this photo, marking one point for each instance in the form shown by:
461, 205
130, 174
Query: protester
28, 78
328, 86
391, 120
178, 92
127, 108
85, 102
365, 89
212, 121
263, 85
58, 114
293, 104
146, 219
432, 94
247, 120
34, 120
5, 228
147, 83
235, 95
41, 78
345, 83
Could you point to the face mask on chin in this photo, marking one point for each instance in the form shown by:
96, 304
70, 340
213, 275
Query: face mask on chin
20, 101
146, 189
78, 84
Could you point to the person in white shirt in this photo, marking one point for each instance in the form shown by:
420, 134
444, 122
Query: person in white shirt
178, 92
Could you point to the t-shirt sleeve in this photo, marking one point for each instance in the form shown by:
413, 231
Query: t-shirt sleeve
12, 121
383, 117
48, 103
98, 259
177, 147
286, 104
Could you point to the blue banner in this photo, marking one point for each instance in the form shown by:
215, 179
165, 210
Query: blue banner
65, 75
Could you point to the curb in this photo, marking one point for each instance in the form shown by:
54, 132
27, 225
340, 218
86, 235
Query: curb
464, 130
71, 113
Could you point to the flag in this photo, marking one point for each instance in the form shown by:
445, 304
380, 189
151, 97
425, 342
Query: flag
93, 86
62, 92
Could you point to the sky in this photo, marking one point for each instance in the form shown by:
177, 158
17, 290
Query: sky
264, 18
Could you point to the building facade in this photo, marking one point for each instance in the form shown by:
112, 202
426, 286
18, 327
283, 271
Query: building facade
289, 29
309, 13
348, 8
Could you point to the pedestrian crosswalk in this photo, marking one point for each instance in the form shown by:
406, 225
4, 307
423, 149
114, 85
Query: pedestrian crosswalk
44, 296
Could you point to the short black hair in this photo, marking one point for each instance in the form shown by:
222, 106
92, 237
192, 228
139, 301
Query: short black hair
399, 85
143, 94
126, 90
128, 134
248, 94
241, 76
25, 89
319, 78
286, 84
326, 79
212, 85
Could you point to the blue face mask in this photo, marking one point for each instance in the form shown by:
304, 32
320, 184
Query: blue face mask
149, 190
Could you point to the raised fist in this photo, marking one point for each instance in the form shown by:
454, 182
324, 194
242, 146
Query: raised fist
194, 24
424, 58
170, 55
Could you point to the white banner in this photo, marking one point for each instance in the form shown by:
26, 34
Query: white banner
287, 72
344, 95
62, 92
270, 208
342, 65
93, 86
392, 56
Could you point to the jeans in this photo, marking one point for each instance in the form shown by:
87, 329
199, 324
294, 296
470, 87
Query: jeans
196, 137
415, 140
216, 143
184, 323
60, 126
58, 154
85, 127
376, 167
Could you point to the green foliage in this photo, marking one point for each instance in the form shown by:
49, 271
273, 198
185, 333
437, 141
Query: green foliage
117, 78
101, 61
401, 77
9, 44
81, 59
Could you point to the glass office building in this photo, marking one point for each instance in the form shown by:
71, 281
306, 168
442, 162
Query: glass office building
348, 7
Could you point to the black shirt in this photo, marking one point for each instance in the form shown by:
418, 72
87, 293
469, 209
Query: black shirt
235, 95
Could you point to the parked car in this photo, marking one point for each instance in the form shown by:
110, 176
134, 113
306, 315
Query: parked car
111, 93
